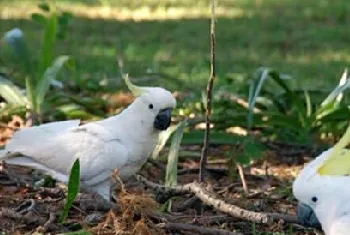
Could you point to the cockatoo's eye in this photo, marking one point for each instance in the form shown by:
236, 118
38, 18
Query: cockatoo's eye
150, 106
314, 199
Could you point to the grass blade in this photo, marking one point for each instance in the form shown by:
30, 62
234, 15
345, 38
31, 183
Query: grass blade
48, 77
254, 92
171, 169
48, 48
73, 188
337, 93
163, 138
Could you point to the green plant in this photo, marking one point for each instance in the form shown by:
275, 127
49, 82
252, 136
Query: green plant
296, 114
73, 188
271, 105
171, 169
38, 75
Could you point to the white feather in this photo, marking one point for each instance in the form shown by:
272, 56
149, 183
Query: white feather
121, 142
332, 207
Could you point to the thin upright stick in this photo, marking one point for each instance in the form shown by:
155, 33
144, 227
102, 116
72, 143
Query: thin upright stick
204, 155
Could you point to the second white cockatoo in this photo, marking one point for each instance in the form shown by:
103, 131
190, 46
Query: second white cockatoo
122, 142
322, 188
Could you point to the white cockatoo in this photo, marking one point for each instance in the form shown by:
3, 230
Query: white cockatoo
322, 187
122, 142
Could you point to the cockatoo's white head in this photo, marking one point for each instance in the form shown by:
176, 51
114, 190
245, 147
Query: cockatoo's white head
155, 104
314, 191
308, 186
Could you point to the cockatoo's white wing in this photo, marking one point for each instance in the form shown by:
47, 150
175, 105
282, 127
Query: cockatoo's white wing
55, 151
26, 136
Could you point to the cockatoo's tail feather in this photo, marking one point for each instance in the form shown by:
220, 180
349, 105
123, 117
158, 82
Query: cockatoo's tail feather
338, 162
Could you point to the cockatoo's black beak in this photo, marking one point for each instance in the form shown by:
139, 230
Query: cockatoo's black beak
163, 119
307, 216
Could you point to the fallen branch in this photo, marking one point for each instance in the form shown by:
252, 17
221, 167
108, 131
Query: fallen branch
211, 200
196, 229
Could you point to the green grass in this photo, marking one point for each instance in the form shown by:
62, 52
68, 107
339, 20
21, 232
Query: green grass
307, 39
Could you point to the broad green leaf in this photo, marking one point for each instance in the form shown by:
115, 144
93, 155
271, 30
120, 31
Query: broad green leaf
73, 188
40, 18
253, 149
63, 19
243, 159
10, 110
49, 76
49, 44
44, 6
196, 137
11, 93
171, 169
73, 111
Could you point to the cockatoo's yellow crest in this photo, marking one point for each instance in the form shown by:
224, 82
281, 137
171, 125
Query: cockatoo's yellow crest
136, 90
338, 163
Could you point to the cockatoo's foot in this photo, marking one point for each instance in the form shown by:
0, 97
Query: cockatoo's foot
93, 201
117, 182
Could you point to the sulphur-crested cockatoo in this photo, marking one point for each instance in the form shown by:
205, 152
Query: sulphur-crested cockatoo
322, 187
122, 142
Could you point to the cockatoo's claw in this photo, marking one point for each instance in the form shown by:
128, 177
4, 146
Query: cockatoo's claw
116, 178
307, 216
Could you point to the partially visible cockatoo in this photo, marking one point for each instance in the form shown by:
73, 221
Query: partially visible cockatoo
322, 187
122, 142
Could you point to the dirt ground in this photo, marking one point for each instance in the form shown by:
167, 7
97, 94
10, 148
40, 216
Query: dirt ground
34, 209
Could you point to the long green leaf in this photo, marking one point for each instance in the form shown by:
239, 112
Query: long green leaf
337, 93
11, 93
171, 169
332, 102
49, 43
73, 188
163, 138
48, 77
254, 92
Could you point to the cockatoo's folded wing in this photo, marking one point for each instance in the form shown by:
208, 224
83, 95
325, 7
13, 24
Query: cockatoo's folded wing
25, 137
55, 151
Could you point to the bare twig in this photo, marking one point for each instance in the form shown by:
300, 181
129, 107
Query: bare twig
28, 218
157, 164
26, 206
186, 204
241, 175
49, 222
196, 229
204, 155
211, 200
220, 171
